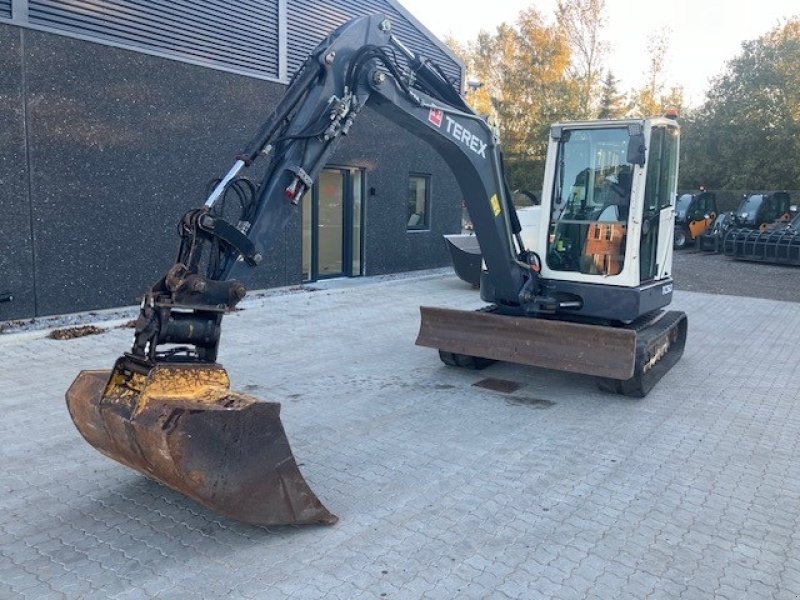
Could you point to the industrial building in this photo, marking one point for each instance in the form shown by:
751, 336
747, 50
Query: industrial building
116, 114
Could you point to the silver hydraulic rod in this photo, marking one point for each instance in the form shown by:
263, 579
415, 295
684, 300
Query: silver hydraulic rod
220, 189
402, 47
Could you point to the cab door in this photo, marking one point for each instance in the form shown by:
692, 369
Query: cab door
658, 217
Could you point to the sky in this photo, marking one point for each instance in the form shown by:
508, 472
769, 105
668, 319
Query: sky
704, 33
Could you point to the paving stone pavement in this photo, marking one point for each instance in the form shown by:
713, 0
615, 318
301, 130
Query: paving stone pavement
444, 490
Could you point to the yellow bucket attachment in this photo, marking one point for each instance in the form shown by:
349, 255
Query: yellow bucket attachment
181, 425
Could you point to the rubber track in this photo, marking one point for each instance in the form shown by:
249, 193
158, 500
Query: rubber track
650, 336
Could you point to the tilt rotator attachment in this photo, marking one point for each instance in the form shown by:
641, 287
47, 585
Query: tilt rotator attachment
626, 360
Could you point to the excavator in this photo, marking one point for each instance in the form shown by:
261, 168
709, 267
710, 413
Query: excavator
589, 299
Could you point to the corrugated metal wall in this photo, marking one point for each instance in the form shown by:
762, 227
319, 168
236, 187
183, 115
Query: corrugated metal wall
125, 108
241, 35
311, 20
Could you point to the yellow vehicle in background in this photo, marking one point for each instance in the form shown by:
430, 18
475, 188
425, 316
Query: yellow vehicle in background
694, 214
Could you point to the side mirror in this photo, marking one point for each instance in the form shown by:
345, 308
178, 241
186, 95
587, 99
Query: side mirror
637, 152
793, 208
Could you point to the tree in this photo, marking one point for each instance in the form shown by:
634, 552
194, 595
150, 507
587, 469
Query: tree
582, 21
747, 133
650, 100
673, 99
612, 103
524, 69
477, 92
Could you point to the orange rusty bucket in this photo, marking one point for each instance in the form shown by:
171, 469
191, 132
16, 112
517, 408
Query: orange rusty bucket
181, 425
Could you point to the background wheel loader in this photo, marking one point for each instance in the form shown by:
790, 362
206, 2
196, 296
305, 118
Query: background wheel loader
757, 211
589, 299
712, 238
694, 214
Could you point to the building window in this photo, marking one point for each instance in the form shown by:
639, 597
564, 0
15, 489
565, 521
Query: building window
419, 190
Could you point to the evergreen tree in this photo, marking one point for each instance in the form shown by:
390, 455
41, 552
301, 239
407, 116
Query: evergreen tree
612, 103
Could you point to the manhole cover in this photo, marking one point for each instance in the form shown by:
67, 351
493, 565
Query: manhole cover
498, 385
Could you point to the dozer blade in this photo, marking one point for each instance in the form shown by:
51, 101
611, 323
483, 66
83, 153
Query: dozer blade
627, 360
182, 426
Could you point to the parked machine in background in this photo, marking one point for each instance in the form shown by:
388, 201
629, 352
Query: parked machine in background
777, 243
712, 238
694, 214
588, 300
756, 211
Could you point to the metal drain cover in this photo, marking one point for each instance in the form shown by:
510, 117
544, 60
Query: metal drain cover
498, 385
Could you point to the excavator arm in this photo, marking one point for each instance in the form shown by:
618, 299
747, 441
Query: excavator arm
354, 67
166, 408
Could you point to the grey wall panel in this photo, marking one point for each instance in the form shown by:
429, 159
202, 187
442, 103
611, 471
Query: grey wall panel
16, 248
309, 21
5, 9
389, 159
241, 35
122, 144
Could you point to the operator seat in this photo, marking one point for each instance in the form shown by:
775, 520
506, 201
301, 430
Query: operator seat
604, 248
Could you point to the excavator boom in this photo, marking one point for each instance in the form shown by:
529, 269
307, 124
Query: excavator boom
166, 408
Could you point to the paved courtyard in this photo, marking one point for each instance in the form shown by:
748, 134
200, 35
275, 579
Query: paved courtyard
443, 489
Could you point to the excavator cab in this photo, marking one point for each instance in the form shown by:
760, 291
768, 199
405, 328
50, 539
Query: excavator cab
588, 216
609, 230
600, 268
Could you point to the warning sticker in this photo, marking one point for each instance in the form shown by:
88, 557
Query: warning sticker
495, 205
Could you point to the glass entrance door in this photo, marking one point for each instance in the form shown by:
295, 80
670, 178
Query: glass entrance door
332, 225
